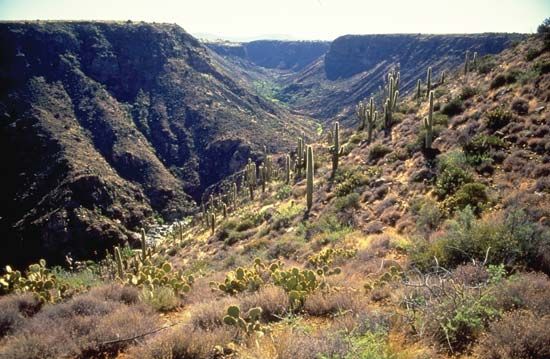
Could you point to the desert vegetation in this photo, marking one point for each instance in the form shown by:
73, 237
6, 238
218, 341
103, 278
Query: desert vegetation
421, 233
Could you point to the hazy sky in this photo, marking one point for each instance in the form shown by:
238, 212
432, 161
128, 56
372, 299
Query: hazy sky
299, 19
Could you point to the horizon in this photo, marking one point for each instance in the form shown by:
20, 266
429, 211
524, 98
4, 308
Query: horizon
323, 20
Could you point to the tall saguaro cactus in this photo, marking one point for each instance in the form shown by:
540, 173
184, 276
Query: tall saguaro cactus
143, 246
251, 177
418, 90
119, 266
309, 178
391, 103
428, 122
287, 169
367, 117
299, 154
429, 81
467, 63
335, 149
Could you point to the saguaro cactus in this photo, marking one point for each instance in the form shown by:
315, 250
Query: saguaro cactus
299, 155
119, 266
467, 63
143, 246
309, 178
428, 122
391, 103
251, 177
429, 81
335, 149
418, 89
287, 169
234, 193
442, 81
371, 120
367, 117
212, 222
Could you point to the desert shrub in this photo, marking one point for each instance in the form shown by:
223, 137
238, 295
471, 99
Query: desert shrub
348, 179
473, 195
209, 314
330, 303
283, 192
525, 291
503, 79
453, 107
468, 92
456, 319
542, 67
450, 179
14, 309
285, 213
161, 299
300, 343
486, 64
532, 53
272, 299
182, 343
520, 335
116, 293
498, 118
509, 238
81, 327
429, 216
378, 151
520, 106
479, 148
348, 201
470, 274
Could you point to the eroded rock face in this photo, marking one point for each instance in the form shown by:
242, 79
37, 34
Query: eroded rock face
104, 124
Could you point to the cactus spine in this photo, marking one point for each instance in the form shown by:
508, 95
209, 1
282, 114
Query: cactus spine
335, 149
428, 122
429, 81
309, 179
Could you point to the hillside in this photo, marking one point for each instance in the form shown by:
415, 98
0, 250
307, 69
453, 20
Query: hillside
409, 248
105, 125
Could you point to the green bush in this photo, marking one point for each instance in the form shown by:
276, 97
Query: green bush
348, 201
348, 180
450, 179
162, 299
486, 64
498, 118
479, 148
468, 92
453, 107
473, 195
505, 237
283, 192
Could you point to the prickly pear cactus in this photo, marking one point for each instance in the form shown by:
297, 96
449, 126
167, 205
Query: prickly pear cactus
249, 324
242, 279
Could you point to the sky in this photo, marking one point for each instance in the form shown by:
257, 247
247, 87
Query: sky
297, 19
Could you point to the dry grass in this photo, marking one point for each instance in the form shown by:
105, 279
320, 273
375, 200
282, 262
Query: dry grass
79, 327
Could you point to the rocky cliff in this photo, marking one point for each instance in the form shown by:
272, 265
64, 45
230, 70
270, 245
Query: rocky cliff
103, 125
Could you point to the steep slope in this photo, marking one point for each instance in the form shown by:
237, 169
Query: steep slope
118, 120
355, 66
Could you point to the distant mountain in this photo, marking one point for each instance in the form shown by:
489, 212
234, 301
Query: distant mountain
103, 125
